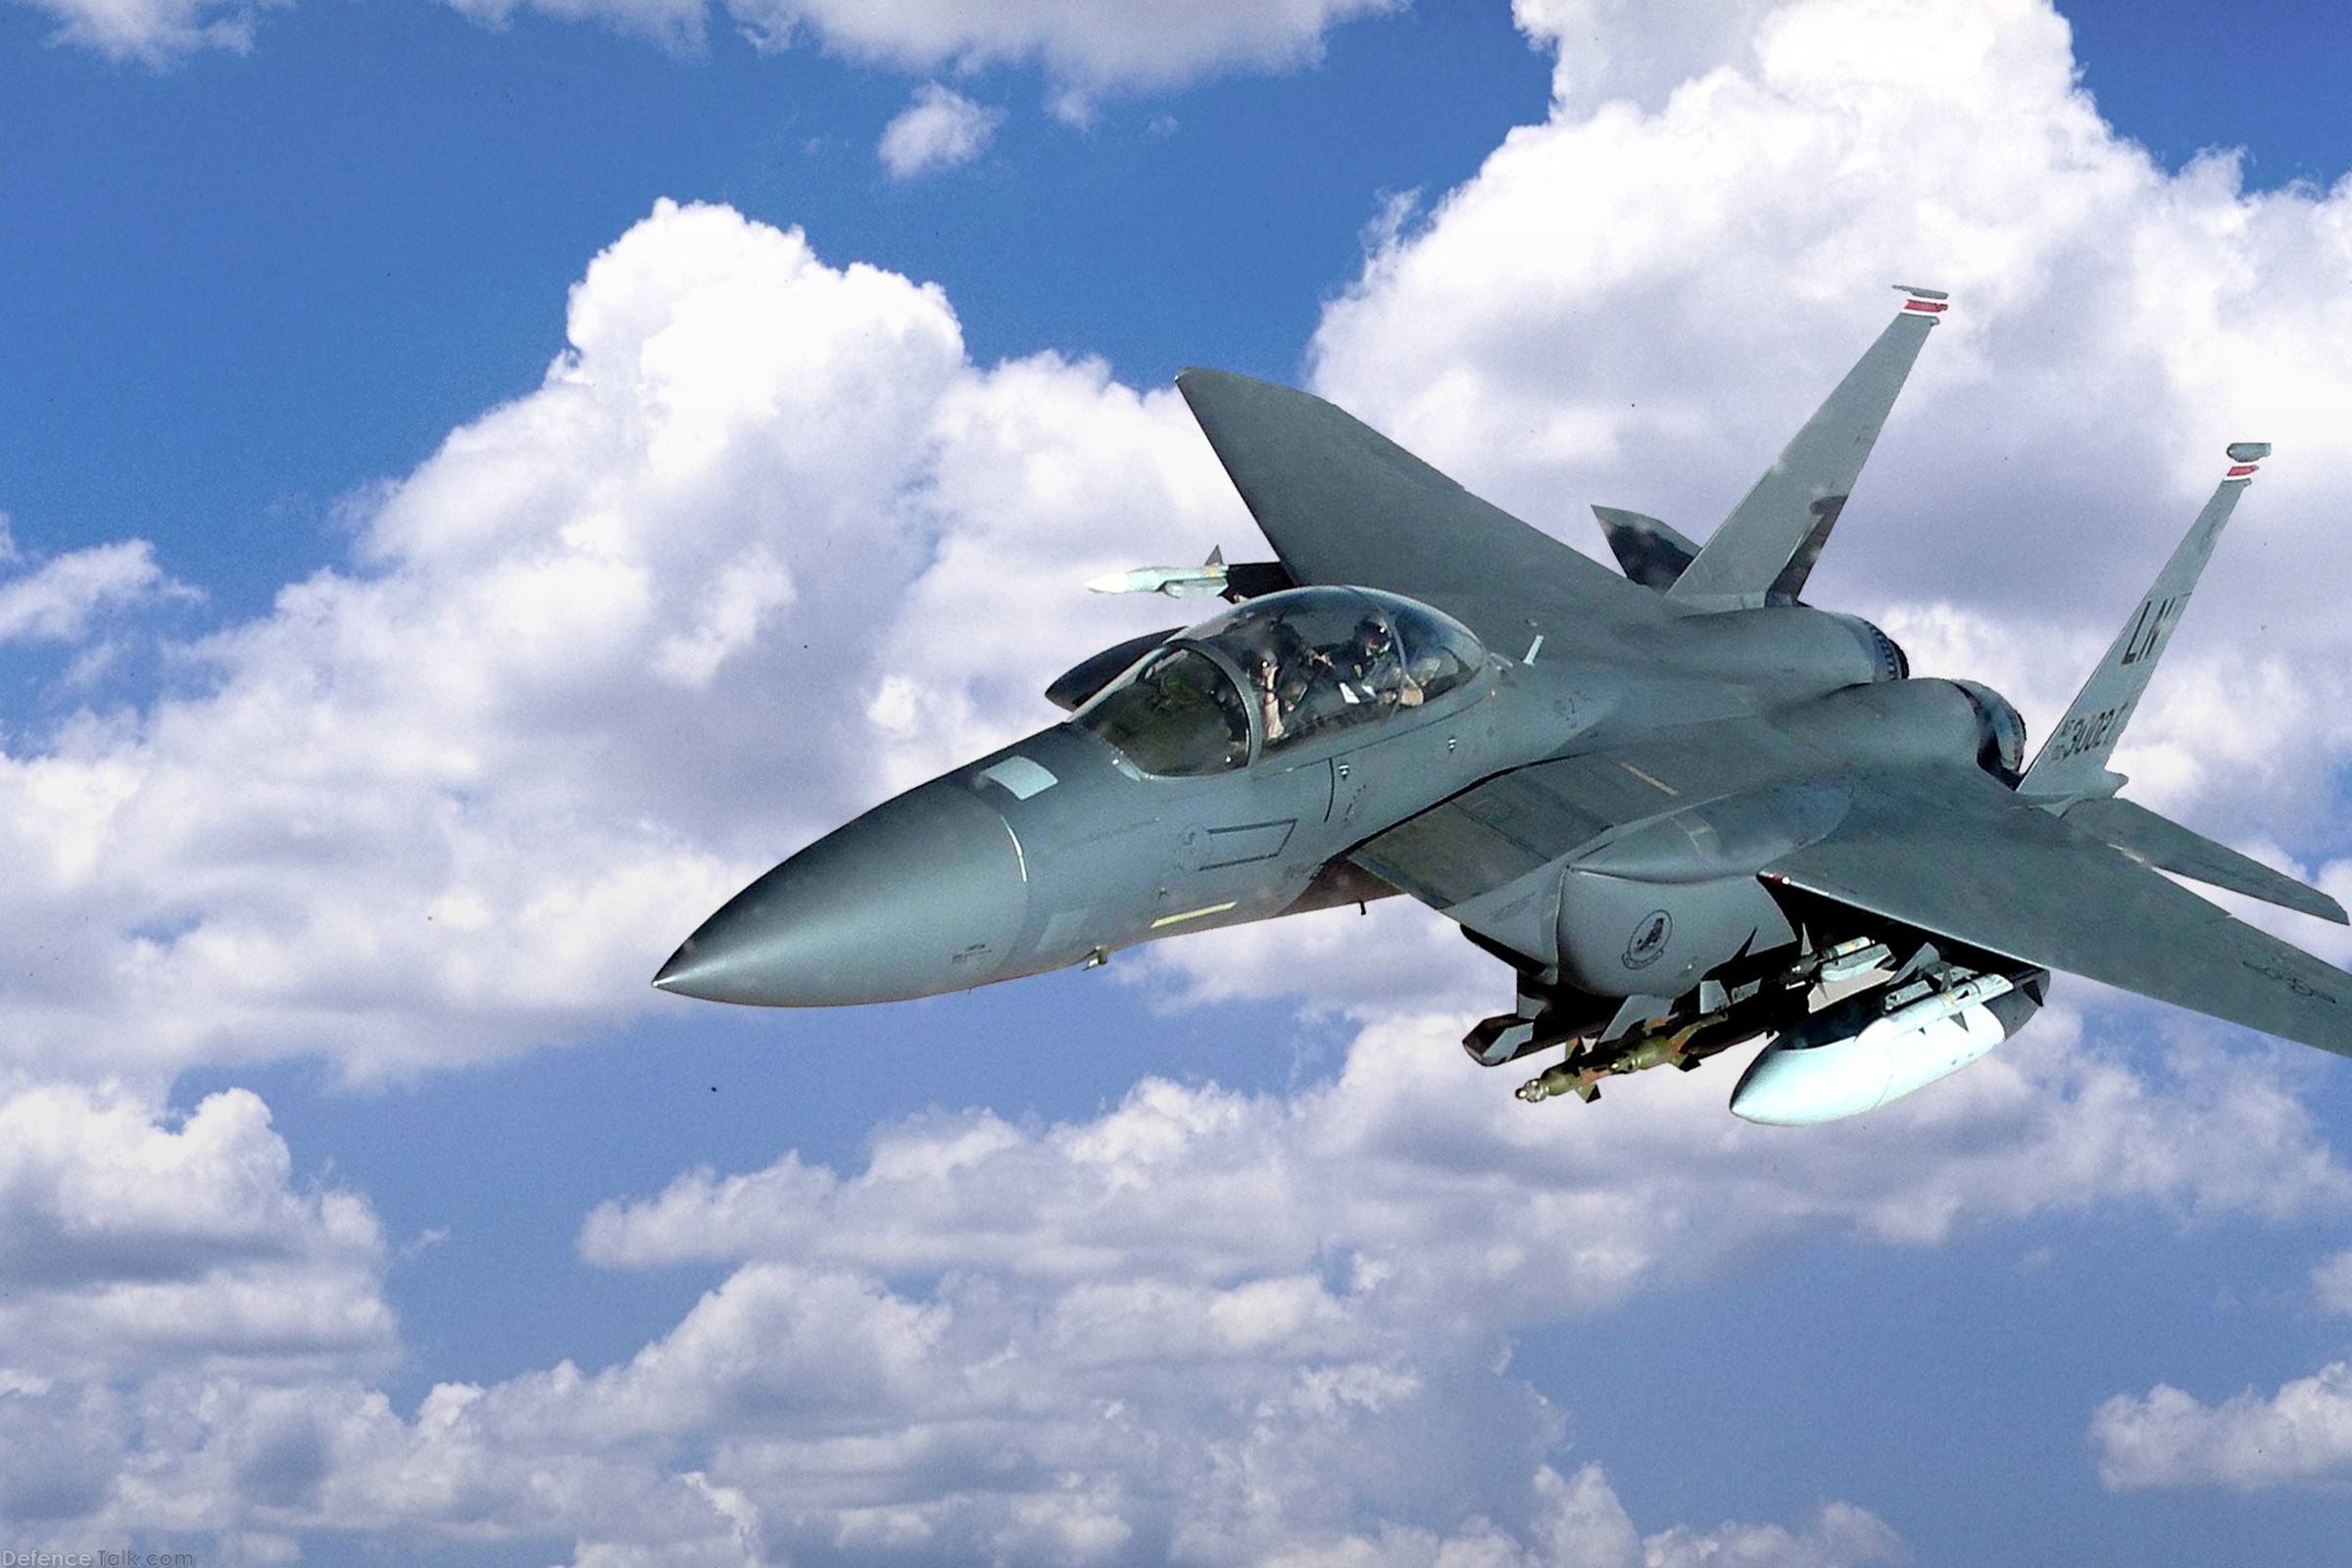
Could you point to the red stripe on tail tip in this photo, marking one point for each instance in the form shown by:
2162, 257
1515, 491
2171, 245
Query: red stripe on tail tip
1925, 307
2240, 472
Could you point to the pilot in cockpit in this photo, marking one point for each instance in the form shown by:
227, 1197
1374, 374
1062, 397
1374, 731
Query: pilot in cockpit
1322, 686
1371, 672
1277, 664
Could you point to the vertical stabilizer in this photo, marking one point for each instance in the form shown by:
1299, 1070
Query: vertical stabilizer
2073, 761
1766, 548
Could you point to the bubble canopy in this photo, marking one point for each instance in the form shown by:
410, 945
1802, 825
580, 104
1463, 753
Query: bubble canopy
1276, 672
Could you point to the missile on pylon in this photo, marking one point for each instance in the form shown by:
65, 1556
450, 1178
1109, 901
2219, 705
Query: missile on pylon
1176, 582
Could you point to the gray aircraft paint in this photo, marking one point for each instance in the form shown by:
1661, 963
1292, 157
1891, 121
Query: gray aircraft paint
1766, 548
1669, 804
2074, 760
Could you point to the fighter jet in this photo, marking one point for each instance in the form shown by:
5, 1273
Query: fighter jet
1686, 808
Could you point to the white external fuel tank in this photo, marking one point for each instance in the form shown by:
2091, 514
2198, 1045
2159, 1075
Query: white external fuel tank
1856, 1057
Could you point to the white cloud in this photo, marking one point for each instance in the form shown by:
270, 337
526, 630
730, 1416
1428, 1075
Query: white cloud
676, 23
157, 1266
1085, 46
1412, 1168
1636, 302
765, 545
1842, 1534
940, 128
2300, 1436
57, 601
154, 32
816, 1416
1637, 50
603, 658
198, 1341
1219, 1327
131, 1245
1223, 1327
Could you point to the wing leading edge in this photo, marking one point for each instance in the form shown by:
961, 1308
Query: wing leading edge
1953, 853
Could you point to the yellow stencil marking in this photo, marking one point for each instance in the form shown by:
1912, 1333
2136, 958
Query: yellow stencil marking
1192, 915
1654, 783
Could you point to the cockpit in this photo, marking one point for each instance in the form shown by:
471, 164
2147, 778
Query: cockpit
1276, 672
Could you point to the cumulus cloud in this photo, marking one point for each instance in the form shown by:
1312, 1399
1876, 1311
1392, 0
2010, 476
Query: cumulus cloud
1085, 46
1221, 1327
2300, 1436
941, 128
1409, 1165
57, 601
1637, 301
1605, 50
200, 1344
1195, 1252
1201, 1325
131, 1245
764, 545
154, 32
154, 1265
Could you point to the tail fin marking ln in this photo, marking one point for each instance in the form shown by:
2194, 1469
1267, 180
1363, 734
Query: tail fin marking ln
2073, 761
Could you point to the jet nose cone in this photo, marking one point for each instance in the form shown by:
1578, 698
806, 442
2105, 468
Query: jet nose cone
922, 895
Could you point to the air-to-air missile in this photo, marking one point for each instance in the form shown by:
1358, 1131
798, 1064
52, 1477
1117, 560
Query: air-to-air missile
1687, 808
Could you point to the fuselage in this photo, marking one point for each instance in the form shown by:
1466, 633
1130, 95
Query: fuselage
1245, 769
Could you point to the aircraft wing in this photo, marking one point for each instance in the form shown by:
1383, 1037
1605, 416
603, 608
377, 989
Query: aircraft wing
1342, 504
1953, 853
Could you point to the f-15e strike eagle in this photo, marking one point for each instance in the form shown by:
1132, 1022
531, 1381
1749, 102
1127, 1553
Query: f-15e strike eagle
1684, 807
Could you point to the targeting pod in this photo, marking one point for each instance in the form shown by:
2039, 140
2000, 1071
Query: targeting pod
1882, 1045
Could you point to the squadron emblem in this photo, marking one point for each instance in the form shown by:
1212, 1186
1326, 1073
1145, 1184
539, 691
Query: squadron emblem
1648, 940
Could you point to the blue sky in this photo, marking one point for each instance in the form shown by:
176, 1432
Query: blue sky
283, 1162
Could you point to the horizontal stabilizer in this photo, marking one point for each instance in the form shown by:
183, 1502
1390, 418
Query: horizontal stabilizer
1653, 554
1766, 548
1950, 853
2166, 845
2073, 760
